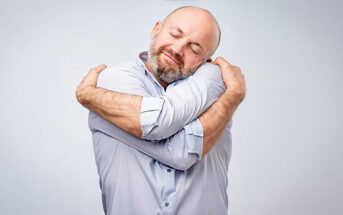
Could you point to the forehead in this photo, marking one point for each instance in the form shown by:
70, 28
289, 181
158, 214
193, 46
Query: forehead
192, 21
198, 25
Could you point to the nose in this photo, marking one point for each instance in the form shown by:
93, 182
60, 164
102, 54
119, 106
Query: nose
178, 47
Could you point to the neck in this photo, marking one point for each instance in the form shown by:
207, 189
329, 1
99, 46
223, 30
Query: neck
148, 66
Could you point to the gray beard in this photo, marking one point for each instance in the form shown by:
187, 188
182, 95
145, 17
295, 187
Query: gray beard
166, 76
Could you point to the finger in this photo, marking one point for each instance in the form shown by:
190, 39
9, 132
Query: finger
92, 77
217, 60
98, 69
220, 61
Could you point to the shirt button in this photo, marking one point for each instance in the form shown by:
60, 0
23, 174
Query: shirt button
168, 170
166, 204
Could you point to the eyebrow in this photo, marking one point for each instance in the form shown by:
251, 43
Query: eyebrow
179, 30
195, 43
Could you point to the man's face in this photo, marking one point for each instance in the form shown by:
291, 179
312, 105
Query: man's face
181, 44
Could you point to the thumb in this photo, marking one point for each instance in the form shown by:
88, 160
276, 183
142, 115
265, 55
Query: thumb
92, 77
98, 69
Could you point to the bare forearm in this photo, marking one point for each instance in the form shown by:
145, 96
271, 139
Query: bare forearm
216, 118
123, 110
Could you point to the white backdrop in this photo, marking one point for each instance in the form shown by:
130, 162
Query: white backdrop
287, 149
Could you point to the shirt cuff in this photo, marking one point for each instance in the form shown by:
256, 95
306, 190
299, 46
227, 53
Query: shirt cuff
194, 138
150, 111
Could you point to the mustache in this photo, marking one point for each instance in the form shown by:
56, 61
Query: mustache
177, 57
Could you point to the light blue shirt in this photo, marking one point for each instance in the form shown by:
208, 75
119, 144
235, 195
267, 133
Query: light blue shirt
163, 172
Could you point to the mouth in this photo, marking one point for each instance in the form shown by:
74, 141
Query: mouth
171, 58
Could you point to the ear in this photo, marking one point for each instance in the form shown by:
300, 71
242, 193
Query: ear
209, 60
155, 30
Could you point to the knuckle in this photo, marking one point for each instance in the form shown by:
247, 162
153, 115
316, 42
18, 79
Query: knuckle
220, 60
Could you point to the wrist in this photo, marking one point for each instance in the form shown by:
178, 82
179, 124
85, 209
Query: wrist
234, 96
82, 94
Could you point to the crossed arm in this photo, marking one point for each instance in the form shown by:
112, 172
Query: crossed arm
124, 110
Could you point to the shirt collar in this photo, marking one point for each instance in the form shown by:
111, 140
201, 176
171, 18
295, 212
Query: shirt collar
141, 61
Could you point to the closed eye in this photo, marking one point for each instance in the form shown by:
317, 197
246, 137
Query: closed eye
194, 49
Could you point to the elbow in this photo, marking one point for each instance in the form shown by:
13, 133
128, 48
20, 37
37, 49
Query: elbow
185, 162
152, 136
156, 132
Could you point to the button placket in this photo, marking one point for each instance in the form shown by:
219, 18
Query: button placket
169, 189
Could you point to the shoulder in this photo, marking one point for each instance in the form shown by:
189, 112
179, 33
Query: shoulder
208, 73
206, 79
209, 70
124, 68
209, 66
116, 77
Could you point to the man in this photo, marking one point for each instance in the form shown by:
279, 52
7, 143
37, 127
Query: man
160, 130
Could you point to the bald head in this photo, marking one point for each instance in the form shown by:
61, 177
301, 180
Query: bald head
204, 15
185, 39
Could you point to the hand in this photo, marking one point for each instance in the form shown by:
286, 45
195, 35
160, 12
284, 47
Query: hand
89, 81
233, 78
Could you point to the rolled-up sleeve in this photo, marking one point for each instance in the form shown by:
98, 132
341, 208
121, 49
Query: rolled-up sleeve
150, 111
182, 103
194, 138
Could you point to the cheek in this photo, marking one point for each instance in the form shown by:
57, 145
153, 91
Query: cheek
161, 41
190, 62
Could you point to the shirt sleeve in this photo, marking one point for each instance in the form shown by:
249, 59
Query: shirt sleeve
182, 103
173, 151
179, 151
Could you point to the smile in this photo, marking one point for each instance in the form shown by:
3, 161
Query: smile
171, 58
